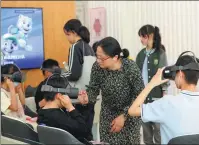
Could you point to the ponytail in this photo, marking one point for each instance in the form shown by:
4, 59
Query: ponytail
84, 34
157, 39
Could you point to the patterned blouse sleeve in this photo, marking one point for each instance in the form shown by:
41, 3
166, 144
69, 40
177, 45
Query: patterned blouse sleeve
136, 82
96, 78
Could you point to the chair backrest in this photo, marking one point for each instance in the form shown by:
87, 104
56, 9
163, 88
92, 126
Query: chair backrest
30, 102
52, 135
18, 130
186, 139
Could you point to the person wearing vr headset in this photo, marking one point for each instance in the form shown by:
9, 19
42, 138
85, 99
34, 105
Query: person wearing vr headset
12, 96
53, 114
47, 68
149, 59
177, 114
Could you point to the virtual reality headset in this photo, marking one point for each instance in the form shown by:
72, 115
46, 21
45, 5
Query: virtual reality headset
71, 92
15, 77
18, 76
170, 71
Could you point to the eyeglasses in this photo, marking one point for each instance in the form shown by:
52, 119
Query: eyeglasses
102, 59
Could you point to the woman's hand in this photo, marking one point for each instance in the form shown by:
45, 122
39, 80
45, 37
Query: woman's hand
117, 124
83, 97
157, 78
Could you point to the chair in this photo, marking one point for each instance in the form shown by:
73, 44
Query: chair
186, 139
18, 130
30, 102
52, 135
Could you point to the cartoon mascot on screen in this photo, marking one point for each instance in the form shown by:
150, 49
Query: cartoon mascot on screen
9, 44
21, 31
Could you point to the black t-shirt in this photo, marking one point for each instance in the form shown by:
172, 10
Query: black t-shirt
39, 95
73, 122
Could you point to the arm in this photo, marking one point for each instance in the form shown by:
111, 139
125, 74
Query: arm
93, 89
21, 95
7, 103
136, 81
135, 109
75, 63
14, 104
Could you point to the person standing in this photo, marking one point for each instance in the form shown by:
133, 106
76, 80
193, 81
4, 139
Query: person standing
149, 59
81, 58
119, 79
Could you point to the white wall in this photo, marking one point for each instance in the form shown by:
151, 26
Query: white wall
178, 22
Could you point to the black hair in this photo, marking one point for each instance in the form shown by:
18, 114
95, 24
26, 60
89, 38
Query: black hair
49, 63
74, 25
55, 81
146, 30
112, 47
95, 45
8, 69
191, 76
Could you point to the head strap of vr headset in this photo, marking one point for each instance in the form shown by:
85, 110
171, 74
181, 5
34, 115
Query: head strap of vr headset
10, 75
190, 66
48, 88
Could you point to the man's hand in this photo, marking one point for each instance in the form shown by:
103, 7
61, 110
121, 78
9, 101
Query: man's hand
83, 97
66, 102
117, 124
157, 79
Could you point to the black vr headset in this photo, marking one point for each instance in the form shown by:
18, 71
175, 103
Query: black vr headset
18, 76
69, 90
170, 71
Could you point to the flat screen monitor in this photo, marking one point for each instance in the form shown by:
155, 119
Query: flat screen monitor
22, 41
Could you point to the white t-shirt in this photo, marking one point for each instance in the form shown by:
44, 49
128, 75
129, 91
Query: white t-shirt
6, 102
177, 115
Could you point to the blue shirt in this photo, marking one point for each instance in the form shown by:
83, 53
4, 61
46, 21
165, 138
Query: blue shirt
177, 115
145, 66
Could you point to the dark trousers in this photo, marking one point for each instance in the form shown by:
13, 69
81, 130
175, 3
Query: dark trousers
151, 133
88, 113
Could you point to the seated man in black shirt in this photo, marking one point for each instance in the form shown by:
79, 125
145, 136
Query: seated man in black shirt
39, 96
53, 115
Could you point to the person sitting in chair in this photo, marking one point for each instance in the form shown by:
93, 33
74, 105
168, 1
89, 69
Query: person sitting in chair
12, 96
53, 114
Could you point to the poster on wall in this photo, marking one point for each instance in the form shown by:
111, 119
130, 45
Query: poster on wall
97, 24
22, 37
